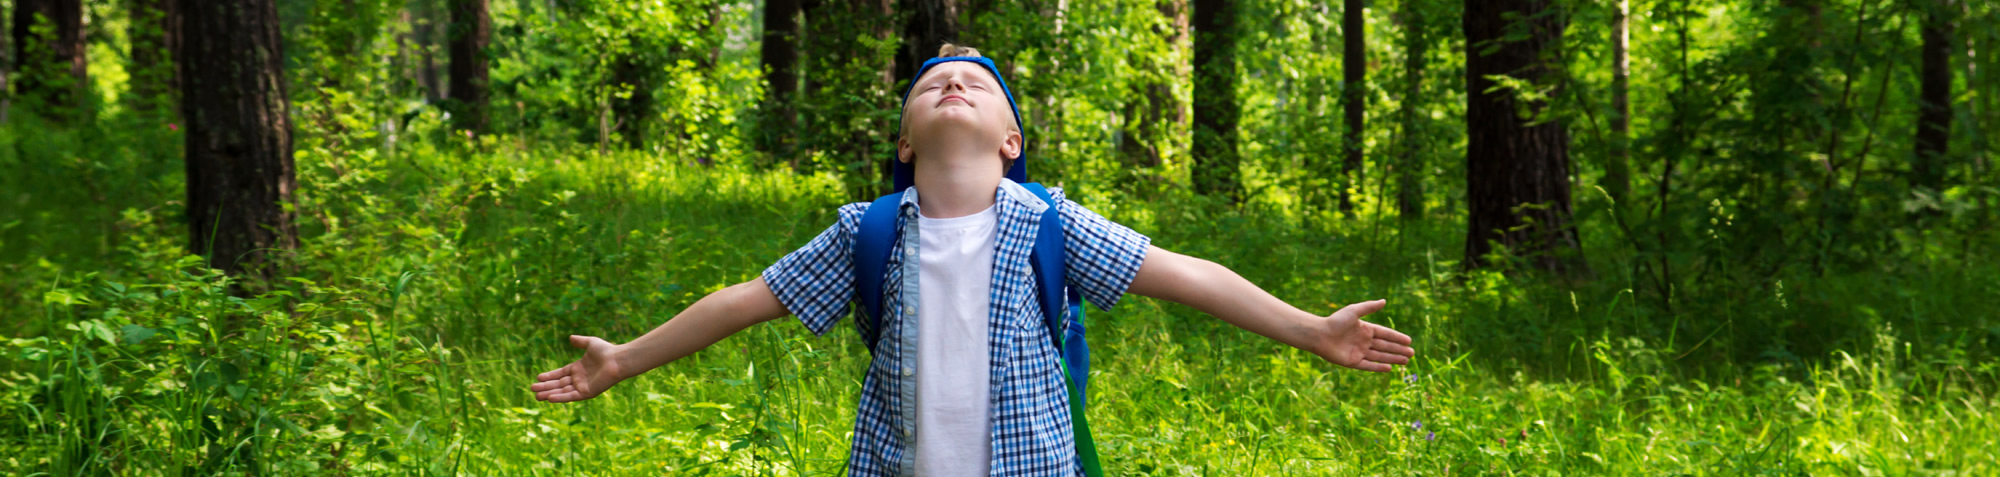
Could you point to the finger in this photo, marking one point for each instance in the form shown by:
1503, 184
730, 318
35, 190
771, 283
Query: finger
550, 384
1367, 307
554, 374
1393, 348
1373, 367
566, 397
550, 395
1381, 357
580, 342
1390, 334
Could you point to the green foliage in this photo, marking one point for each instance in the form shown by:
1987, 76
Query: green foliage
435, 283
1774, 298
847, 111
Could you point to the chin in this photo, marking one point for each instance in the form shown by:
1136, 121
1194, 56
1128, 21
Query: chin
951, 123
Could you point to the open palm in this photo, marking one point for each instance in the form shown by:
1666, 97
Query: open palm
1348, 341
589, 376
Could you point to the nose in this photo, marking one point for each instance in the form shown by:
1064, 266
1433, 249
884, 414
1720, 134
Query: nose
955, 82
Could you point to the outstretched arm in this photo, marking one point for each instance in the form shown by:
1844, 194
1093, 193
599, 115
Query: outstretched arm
709, 320
1341, 338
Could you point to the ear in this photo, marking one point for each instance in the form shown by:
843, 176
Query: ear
903, 150
1010, 147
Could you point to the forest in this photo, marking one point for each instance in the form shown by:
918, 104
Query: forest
1689, 237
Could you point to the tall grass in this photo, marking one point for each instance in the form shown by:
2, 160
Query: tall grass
434, 281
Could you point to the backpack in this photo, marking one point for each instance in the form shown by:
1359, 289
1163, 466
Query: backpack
877, 235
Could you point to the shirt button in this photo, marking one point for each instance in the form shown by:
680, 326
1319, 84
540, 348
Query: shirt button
909, 310
909, 372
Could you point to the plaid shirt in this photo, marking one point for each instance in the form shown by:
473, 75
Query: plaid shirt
1030, 413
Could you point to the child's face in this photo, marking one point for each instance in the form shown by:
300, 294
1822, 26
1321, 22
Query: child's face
958, 106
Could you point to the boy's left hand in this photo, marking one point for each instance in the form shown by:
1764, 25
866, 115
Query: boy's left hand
1345, 340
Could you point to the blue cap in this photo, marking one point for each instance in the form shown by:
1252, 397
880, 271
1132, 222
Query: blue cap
905, 175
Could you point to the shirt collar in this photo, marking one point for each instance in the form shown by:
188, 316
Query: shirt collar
1008, 191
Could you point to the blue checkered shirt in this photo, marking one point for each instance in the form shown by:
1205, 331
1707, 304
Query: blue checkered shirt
1030, 405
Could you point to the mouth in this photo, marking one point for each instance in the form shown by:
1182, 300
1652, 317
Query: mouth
950, 97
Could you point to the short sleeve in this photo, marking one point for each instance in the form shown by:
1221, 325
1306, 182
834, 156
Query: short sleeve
1101, 257
816, 281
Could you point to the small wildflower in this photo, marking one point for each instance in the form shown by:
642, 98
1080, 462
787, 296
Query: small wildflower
1412, 379
1432, 436
1418, 425
1524, 434
173, 127
1503, 442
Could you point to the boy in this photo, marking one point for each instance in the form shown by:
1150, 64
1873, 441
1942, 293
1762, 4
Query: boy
965, 378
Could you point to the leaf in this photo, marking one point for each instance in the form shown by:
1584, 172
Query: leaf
97, 329
62, 296
135, 333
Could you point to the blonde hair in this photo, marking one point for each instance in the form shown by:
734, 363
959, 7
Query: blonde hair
950, 50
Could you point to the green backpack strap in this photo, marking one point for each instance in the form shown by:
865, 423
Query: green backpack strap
1086, 447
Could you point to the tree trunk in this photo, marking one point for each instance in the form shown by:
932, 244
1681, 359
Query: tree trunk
1933, 135
239, 136
155, 33
1618, 167
931, 23
404, 67
50, 70
1517, 174
6, 69
630, 113
1354, 90
1972, 83
471, 29
1215, 108
780, 53
427, 71
1410, 167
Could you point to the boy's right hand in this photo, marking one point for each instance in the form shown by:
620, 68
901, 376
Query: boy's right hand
589, 376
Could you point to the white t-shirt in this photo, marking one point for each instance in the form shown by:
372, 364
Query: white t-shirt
954, 432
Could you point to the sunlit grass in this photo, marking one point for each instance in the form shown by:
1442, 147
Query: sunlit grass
435, 284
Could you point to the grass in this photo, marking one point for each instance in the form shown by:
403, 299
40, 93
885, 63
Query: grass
433, 284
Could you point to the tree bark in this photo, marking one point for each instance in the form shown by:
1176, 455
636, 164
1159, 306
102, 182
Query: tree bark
42, 61
1354, 95
239, 135
1933, 135
931, 23
427, 71
1618, 167
1517, 173
1410, 167
1973, 82
154, 32
6, 69
630, 113
471, 30
1215, 109
780, 54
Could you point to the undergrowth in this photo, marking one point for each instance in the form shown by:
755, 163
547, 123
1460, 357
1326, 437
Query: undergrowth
434, 281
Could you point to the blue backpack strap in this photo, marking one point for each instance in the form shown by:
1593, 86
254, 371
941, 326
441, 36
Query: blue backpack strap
872, 242
1047, 258
1058, 305
1072, 351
